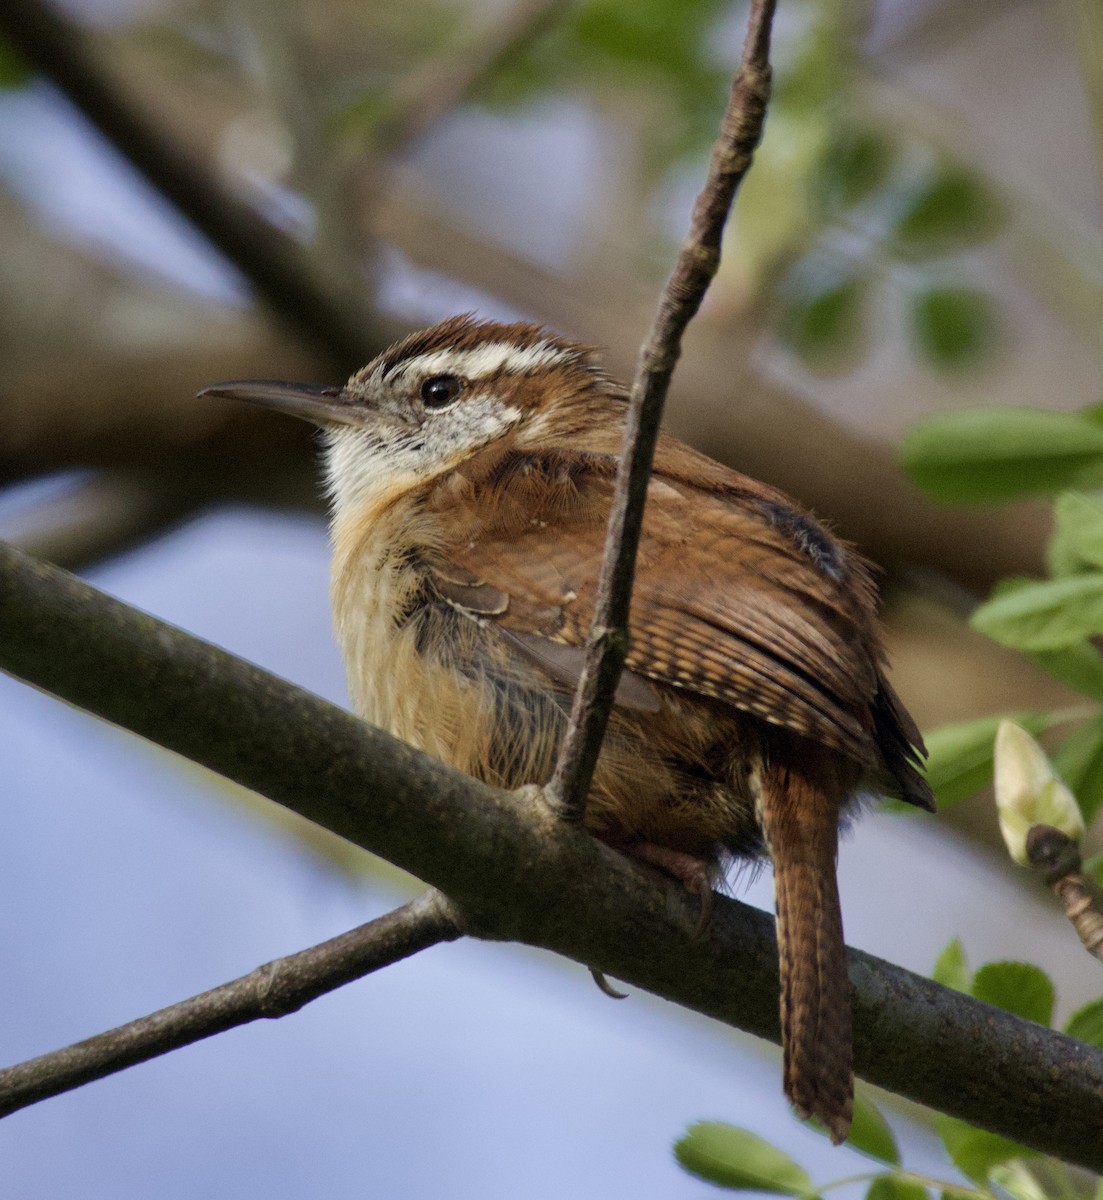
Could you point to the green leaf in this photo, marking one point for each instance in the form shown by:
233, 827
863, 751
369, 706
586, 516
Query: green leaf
954, 327
1019, 987
1077, 541
952, 970
954, 211
975, 1151
1079, 762
854, 166
822, 320
894, 1186
738, 1159
959, 757
1080, 665
1017, 1181
987, 455
1052, 614
1086, 1023
870, 1133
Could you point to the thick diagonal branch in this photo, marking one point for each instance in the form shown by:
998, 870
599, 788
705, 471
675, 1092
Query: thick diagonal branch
698, 260
519, 872
273, 990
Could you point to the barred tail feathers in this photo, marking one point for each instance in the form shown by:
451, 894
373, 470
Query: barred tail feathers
800, 818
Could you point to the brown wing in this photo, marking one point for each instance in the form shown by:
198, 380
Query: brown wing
738, 596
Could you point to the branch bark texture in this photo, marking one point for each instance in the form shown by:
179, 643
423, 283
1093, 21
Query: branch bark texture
698, 260
273, 990
517, 872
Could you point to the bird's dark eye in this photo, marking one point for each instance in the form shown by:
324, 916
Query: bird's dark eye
439, 390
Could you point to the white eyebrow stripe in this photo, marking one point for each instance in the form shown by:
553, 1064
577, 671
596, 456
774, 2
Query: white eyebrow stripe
493, 358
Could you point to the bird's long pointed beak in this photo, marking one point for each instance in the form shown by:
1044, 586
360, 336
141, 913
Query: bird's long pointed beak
318, 405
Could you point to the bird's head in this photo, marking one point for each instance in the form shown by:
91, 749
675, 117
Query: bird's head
442, 396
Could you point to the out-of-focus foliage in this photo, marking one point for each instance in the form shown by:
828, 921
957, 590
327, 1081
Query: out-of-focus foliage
953, 210
740, 1160
988, 455
664, 51
664, 48
1001, 454
902, 237
953, 327
994, 455
822, 317
821, 174
1026, 990
959, 757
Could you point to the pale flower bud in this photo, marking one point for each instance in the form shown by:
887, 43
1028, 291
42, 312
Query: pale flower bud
1029, 791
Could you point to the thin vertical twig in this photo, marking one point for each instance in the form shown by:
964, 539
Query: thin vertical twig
697, 263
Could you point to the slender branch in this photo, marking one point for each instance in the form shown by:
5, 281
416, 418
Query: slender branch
1056, 857
698, 260
273, 264
273, 990
519, 872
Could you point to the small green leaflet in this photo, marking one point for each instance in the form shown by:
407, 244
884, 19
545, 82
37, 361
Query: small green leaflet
854, 166
869, 1132
975, 1151
1077, 541
959, 760
822, 320
1019, 987
894, 1186
1049, 615
1086, 1023
1080, 665
954, 210
1079, 762
993, 454
951, 969
953, 327
738, 1159
1017, 1181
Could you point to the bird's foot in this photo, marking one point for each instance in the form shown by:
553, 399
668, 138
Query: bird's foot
692, 873
605, 987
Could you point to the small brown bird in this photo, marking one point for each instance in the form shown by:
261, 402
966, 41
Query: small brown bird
471, 469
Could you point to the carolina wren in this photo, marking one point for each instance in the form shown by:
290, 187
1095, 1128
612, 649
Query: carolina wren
471, 471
